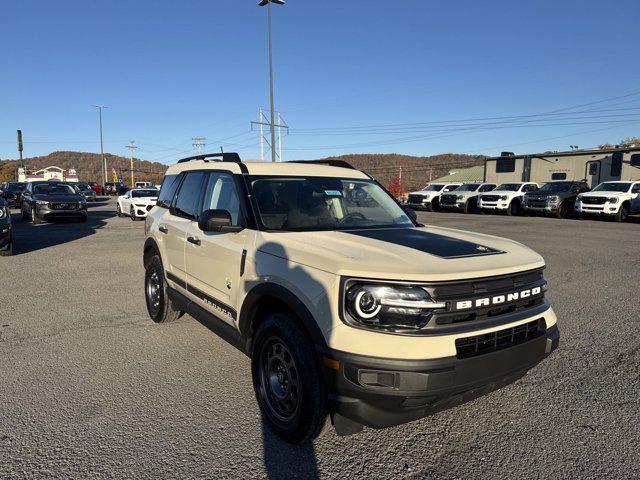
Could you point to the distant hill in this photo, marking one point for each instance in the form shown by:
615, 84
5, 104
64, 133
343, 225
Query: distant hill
88, 166
416, 171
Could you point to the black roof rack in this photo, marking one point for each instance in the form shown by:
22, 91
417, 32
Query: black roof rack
330, 163
225, 157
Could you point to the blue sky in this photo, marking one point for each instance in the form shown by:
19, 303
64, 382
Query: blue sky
352, 76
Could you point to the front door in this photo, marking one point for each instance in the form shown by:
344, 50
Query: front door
593, 173
635, 202
214, 259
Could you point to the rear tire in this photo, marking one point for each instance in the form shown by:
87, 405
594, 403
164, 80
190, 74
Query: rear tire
159, 305
562, 211
623, 213
287, 379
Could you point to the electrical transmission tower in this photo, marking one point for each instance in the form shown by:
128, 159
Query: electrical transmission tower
198, 142
264, 120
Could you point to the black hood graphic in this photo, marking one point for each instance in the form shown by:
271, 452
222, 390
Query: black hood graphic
431, 243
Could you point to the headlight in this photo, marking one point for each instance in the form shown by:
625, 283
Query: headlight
504, 197
553, 199
459, 197
3, 212
42, 202
612, 200
387, 307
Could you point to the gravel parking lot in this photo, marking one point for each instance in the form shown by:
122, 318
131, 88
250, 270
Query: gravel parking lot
91, 388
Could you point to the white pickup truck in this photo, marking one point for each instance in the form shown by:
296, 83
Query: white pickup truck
613, 199
506, 197
429, 197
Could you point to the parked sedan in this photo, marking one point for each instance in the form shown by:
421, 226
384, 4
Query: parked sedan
43, 201
137, 202
86, 191
6, 234
96, 188
11, 192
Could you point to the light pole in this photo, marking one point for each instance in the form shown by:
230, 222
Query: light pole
272, 124
104, 160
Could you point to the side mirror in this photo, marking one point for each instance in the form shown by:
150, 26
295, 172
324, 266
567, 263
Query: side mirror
411, 213
217, 221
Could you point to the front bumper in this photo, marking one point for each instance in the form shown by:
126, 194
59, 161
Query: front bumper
380, 393
605, 209
47, 213
549, 208
453, 207
424, 205
499, 205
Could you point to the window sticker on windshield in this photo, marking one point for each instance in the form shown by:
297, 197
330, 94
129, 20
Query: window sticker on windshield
333, 193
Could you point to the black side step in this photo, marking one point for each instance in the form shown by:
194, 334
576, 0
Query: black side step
209, 320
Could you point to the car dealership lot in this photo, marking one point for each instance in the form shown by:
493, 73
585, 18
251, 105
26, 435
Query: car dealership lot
90, 387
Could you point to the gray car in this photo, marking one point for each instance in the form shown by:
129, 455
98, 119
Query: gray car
44, 201
86, 191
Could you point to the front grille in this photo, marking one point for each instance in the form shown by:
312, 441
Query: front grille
416, 198
537, 202
490, 198
63, 206
594, 200
482, 286
492, 342
448, 199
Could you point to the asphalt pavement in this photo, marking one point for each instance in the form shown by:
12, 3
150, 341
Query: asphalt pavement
91, 388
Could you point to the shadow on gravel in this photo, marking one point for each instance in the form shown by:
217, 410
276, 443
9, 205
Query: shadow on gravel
285, 461
28, 237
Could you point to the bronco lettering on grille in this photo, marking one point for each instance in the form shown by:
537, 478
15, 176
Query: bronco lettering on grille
498, 299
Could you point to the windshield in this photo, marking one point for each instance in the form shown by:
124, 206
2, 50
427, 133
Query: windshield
469, 187
509, 187
556, 187
323, 203
16, 187
53, 189
433, 188
144, 193
612, 187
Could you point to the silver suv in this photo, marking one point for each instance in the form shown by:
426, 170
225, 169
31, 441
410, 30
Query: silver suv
346, 305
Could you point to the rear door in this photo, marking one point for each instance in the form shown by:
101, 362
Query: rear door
214, 259
175, 222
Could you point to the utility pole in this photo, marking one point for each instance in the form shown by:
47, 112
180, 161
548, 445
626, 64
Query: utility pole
104, 160
198, 142
272, 122
20, 148
131, 148
262, 121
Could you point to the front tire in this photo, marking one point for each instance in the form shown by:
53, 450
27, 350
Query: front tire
562, 210
8, 250
287, 379
34, 217
132, 214
623, 213
159, 305
513, 209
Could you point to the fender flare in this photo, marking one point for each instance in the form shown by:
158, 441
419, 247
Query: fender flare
149, 244
257, 293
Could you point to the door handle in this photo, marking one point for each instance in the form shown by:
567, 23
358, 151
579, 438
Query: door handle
163, 229
194, 240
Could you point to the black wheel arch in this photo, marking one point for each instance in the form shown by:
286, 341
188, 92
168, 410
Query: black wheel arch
150, 249
271, 297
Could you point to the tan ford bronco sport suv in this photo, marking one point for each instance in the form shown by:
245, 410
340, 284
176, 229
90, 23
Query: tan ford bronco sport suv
346, 305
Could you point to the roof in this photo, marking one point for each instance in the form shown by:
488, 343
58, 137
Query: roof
270, 168
472, 174
572, 153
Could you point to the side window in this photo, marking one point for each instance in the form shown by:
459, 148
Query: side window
636, 188
559, 176
635, 160
221, 194
487, 188
168, 190
593, 168
616, 164
505, 165
186, 203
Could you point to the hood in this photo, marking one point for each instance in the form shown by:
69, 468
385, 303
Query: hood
144, 200
466, 194
59, 198
601, 193
501, 192
421, 192
538, 194
417, 254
